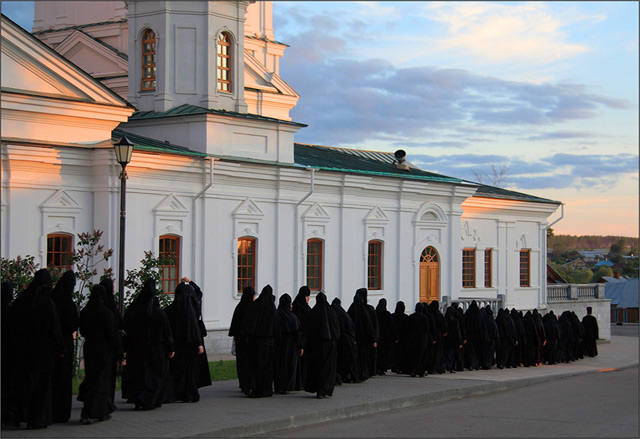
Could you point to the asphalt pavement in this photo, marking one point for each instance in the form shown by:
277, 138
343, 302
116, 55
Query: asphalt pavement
223, 411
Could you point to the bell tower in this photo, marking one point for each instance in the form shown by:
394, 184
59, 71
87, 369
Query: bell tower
186, 52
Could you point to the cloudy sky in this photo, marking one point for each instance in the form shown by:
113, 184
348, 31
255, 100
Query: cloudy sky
550, 89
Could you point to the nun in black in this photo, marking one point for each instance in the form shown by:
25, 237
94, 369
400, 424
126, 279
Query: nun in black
531, 336
203, 377
286, 352
182, 383
320, 334
419, 341
36, 343
491, 339
591, 334
521, 340
240, 339
110, 302
552, 333
477, 336
101, 347
401, 321
452, 342
259, 327
301, 309
347, 363
365, 340
372, 358
148, 346
67, 310
388, 337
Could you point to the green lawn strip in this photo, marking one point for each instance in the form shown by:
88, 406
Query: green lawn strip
219, 371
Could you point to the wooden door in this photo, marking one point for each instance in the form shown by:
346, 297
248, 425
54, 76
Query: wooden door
429, 275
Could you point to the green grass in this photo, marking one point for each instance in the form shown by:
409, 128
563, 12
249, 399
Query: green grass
219, 371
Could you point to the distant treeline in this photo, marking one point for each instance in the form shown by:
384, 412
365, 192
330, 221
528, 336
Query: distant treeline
589, 242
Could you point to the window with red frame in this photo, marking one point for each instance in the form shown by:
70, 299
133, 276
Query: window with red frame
246, 263
374, 266
525, 268
59, 250
148, 61
169, 262
487, 268
224, 62
468, 268
314, 264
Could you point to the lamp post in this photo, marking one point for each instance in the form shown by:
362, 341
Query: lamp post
124, 150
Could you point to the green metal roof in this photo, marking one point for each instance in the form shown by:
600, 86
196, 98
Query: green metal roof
143, 143
355, 161
496, 192
188, 109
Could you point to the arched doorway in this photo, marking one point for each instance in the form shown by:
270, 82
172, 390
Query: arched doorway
429, 275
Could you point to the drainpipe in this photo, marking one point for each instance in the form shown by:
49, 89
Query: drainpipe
295, 229
193, 227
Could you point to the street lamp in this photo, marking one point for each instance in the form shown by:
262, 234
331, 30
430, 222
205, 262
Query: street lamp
124, 150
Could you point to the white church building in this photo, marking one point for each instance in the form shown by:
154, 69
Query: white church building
217, 181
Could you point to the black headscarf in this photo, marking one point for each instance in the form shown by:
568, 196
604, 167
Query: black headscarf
362, 292
260, 316
110, 300
235, 328
137, 319
182, 316
300, 306
63, 291
347, 327
287, 320
322, 322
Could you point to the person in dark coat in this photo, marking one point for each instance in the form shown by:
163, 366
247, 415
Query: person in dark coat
259, 327
286, 352
506, 342
365, 336
401, 320
591, 334
477, 336
579, 334
565, 343
491, 340
110, 302
240, 339
347, 362
537, 319
37, 342
521, 339
320, 335
148, 346
388, 337
102, 345
419, 341
62, 296
439, 333
552, 335
182, 378
301, 309
372, 358
203, 375
531, 337
452, 342
460, 355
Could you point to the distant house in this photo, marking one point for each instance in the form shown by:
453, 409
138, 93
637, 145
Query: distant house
553, 277
594, 255
605, 263
577, 264
623, 294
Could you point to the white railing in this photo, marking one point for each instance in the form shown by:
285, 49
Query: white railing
559, 292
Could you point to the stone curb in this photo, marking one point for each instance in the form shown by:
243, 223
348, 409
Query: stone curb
335, 414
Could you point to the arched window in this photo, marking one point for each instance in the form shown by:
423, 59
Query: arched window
148, 60
169, 262
246, 263
314, 264
224, 62
59, 250
374, 266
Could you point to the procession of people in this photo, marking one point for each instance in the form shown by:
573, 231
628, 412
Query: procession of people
160, 352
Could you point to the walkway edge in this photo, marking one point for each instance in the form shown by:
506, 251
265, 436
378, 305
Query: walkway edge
335, 414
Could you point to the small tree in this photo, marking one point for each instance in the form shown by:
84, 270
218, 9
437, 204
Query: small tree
149, 269
85, 259
19, 272
497, 177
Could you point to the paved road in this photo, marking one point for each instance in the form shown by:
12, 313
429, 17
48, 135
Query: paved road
592, 405
625, 330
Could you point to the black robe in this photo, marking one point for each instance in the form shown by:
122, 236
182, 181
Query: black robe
301, 309
387, 339
372, 358
565, 343
401, 321
419, 341
203, 377
102, 345
259, 327
148, 343
541, 337
439, 332
477, 336
320, 334
240, 339
110, 302
591, 335
67, 310
504, 347
286, 351
531, 343
491, 340
521, 339
579, 334
33, 323
347, 362
552, 333
182, 379
452, 342
364, 335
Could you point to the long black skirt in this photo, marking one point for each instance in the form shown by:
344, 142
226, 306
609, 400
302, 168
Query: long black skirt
321, 356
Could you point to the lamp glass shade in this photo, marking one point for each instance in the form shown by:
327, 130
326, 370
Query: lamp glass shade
124, 151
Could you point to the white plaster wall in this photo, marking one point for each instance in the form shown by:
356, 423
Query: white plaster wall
601, 311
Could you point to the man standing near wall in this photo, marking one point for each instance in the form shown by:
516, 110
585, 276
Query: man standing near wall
591, 333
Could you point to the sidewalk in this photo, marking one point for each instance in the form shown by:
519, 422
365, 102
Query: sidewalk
224, 411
